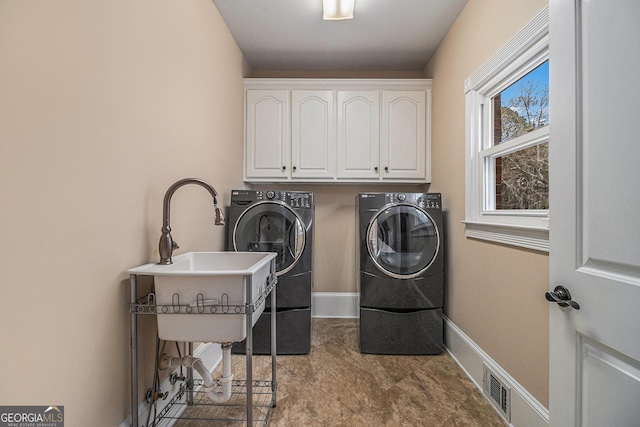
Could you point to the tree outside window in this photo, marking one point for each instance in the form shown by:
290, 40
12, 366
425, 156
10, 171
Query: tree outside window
522, 176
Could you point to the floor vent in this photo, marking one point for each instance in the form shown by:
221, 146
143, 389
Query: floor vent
498, 393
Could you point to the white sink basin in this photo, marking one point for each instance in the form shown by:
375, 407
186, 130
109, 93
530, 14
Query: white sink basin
198, 284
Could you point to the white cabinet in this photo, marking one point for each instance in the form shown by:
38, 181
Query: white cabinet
385, 141
313, 139
267, 134
358, 134
403, 141
289, 134
337, 130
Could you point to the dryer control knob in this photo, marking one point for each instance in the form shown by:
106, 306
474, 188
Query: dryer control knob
401, 197
270, 194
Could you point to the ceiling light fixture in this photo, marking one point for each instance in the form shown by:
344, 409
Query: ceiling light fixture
334, 10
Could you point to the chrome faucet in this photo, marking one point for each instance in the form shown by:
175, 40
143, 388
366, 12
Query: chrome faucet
167, 244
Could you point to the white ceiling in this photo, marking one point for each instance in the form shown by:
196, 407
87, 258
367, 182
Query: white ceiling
384, 35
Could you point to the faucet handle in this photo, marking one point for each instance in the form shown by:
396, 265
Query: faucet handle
174, 245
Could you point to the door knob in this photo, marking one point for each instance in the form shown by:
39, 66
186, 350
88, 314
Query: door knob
561, 296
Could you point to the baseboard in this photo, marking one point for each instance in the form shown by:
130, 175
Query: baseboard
210, 354
335, 305
526, 411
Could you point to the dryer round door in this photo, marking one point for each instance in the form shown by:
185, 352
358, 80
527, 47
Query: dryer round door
271, 227
402, 240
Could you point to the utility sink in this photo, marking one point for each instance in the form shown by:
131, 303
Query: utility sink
200, 297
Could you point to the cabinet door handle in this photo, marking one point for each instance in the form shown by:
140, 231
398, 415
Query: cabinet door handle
375, 169
294, 168
386, 168
284, 168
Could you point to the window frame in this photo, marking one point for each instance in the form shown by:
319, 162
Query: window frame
522, 228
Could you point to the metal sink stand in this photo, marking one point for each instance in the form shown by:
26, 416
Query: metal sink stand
147, 305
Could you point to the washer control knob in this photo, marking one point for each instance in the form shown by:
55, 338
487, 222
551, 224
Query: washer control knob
402, 197
270, 194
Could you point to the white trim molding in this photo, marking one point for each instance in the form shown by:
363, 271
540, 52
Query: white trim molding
526, 411
335, 305
536, 238
535, 31
521, 228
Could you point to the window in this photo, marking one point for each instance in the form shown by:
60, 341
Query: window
507, 128
521, 170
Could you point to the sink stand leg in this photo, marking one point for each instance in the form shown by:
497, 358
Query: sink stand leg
134, 352
190, 384
273, 336
249, 351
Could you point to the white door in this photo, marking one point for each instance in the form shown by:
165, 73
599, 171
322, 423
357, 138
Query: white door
358, 134
403, 140
267, 137
313, 139
595, 212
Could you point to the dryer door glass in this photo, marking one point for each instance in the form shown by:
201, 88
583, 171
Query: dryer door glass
271, 227
402, 240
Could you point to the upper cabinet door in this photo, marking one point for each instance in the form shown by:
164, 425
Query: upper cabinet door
358, 135
268, 141
403, 139
313, 140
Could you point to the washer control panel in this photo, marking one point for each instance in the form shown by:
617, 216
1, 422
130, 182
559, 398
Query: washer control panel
431, 201
295, 199
423, 200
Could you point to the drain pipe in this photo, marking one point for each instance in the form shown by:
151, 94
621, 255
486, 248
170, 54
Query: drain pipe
209, 382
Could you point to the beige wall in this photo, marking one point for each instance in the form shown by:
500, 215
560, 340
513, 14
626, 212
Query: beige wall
495, 293
103, 105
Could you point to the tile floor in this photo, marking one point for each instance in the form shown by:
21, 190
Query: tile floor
337, 386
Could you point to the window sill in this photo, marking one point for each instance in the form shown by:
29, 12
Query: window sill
535, 238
